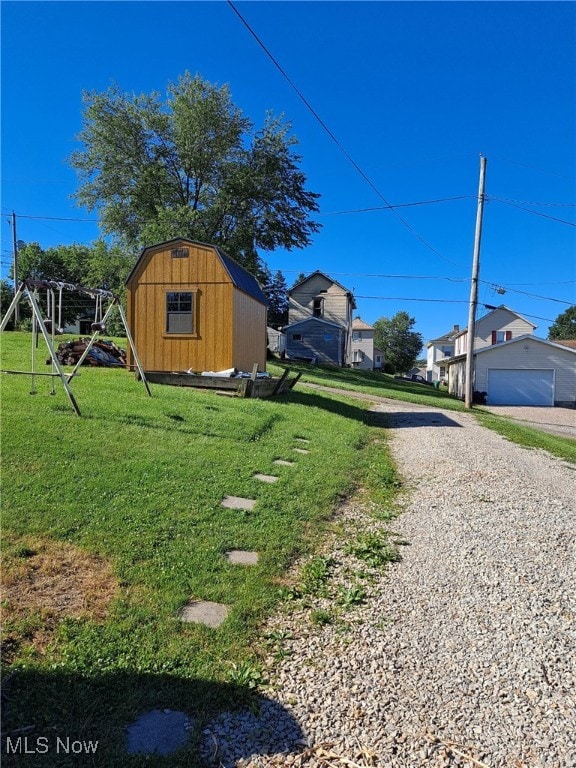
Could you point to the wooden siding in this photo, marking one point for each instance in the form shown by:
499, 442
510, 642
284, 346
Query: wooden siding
211, 344
249, 333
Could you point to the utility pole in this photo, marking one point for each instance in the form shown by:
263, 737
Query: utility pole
15, 247
474, 288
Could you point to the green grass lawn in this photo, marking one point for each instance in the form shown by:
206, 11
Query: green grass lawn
127, 498
114, 520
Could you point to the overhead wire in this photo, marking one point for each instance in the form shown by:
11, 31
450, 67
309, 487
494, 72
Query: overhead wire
334, 138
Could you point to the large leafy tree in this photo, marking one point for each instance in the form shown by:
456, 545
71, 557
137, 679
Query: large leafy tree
401, 345
192, 166
564, 327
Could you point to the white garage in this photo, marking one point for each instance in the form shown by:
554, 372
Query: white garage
520, 387
525, 370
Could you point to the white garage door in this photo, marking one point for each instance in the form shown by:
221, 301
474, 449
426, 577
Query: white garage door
533, 387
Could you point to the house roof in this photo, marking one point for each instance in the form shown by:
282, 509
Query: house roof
526, 337
360, 325
496, 309
323, 274
240, 277
446, 337
310, 319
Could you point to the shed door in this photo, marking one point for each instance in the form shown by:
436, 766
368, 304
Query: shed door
520, 387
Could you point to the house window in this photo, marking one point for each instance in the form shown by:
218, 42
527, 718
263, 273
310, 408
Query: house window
179, 253
318, 307
357, 356
356, 335
442, 371
499, 336
296, 337
179, 312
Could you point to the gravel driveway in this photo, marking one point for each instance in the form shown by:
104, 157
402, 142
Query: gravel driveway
558, 421
464, 652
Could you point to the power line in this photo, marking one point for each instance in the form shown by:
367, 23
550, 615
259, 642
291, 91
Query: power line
398, 205
535, 213
533, 168
333, 137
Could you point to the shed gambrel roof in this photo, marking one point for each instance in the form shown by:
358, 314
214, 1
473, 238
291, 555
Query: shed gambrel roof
240, 277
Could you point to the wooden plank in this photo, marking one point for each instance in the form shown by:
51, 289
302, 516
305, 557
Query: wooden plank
280, 383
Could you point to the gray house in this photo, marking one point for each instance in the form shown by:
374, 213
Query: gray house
319, 321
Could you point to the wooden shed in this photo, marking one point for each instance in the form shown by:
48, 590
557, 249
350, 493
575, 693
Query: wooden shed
192, 307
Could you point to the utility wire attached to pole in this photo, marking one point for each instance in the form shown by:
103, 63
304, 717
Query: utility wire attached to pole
469, 383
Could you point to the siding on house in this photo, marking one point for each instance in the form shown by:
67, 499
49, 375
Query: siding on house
526, 352
362, 346
319, 297
336, 300
319, 340
500, 319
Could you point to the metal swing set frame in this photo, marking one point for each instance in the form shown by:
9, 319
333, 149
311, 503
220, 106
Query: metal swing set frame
29, 288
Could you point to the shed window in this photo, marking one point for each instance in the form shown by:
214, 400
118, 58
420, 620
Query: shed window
179, 253
179, 312
296, 337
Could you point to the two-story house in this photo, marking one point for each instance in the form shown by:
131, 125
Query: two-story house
512, 365
319, 321
439, 351
364, 354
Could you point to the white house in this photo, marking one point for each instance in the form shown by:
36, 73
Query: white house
511, 365
363, 353
500, 324
439, 351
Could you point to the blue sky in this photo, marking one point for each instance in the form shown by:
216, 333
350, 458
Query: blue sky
414, 92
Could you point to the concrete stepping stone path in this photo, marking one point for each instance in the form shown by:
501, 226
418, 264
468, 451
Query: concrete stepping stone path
204, 612
242, 557
300, 450
283, 463
266, 478
237, 502
158, 732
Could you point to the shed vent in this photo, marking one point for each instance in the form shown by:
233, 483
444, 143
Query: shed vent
179, 253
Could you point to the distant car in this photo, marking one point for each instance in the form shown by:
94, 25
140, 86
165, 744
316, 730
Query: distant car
415, 378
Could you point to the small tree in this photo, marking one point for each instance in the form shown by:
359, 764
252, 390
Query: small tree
400, 344
276, 291
564, 327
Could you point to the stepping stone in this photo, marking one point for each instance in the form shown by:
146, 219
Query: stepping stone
302, 439
283, 463
266, 478
242, 557
201, 612
300, 450
159, 732
237, 502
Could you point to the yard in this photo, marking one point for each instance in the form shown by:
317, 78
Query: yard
113, 521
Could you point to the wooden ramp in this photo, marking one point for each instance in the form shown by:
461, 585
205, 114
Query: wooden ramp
235, 386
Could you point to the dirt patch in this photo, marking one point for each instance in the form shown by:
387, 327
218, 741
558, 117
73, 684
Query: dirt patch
45, 581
